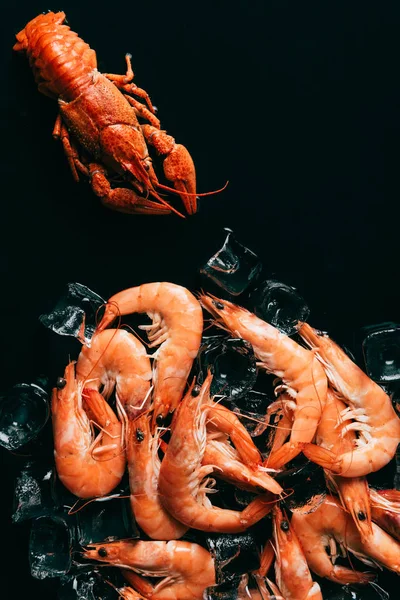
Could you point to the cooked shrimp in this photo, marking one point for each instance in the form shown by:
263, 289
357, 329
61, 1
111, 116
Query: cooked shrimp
186, 569
228, 466
371, 408
302, 376
181, 473
144, 468
116, 358
328, 525
292, 574
221, 419
177, 324
385, 508
353, 491
87, 467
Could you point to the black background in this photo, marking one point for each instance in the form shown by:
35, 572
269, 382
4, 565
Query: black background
297, 104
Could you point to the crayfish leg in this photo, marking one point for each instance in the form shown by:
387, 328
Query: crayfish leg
60, 132
123, 82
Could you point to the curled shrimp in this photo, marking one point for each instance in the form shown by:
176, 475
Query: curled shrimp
292, 573
177, 325
228, 466
86, 466
181, 474
116, 358
186, 569
301, 374
330, 525
369, 406
144, 468
353, 491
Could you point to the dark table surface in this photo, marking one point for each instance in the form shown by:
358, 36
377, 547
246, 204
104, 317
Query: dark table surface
296, 104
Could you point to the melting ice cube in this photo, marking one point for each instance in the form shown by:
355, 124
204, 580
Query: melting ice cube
234, 267
233, 554
50, 546
233, 365
34, 491
280, 305
23, 413
252, 408
381, 348
105, 520
87, 586
75, 314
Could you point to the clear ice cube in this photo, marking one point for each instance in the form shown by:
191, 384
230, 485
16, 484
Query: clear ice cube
50, 547
106, 520
252, 408
232, 363
86, 586
381, 349
75, 314
234, 267
24, 411
34, 491
280, 305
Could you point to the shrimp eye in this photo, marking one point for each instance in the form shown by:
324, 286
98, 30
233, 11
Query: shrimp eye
285, 526
102, 552
218, 305
361, 515
61, 383
139, 435
196, 390
159, 420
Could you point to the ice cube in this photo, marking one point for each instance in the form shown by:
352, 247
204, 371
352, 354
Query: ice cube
88, 586
50, 546
307, 484
105, 520
75, 314
381, 349
280, 305
24, 411
228, 590
252, 411
232, 363
234, 554
34, 491
234, 267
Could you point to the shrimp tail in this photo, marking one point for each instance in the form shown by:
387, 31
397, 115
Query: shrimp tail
257, 509
345, 576
282, 456
323, 457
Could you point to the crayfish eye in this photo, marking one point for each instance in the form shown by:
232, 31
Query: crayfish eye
139, 435
285, 526
61, 383
361, 515
102, 552
196, 390
159, 420
218, 305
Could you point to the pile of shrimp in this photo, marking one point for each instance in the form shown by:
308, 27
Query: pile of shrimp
330, 411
